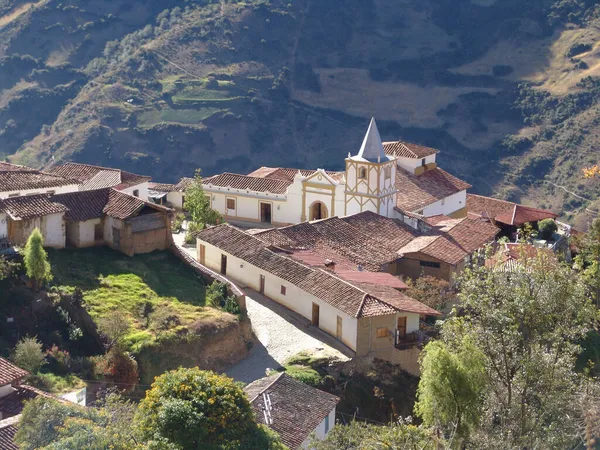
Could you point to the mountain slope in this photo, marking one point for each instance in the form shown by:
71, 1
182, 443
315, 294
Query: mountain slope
506, 89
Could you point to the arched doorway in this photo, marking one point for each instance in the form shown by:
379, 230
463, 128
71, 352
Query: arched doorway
318, 211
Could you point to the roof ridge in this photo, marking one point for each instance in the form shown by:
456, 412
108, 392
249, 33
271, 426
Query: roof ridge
281, 374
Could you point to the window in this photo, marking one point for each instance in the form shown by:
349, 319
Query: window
362, 173
231, 203
435, 265
98, 232
382, 332
13, 195
283, 290
136, 193
51, 192
326, 424
388, 172
423, 163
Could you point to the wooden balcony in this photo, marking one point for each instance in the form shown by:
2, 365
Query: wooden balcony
408, 340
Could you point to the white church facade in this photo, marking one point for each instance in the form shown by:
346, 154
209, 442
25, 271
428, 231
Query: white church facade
393, 179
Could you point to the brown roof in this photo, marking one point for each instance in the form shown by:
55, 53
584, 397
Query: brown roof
397, 299
14, 180
28, 207
8, 429
415, 192
296, 408
393, 233
407, 150
244, 182
13, 403
505, 212
9, 373
166, 187
96, 177
377, 278
281, 173
330, 288
9, 167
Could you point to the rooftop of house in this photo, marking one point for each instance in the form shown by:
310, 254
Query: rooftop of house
12, 404
402, 149
9, 373
17, 178
96, 177
296, 408
505, 212
166, 187
342, 294
8, 429
79, 206
247, 183
370, 240
415, 192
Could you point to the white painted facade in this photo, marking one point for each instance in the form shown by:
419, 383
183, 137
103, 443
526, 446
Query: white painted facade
412, 164
175, 200
447, 205
51, 226
54, 190
5, 390
140, 189
322, 430
82, 233
3, 225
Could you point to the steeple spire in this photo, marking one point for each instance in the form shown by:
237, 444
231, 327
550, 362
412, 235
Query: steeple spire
372, 147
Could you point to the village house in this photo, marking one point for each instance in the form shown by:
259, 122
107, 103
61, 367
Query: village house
171, 195
294, 410
92, 177
371, 242
87, 218
370, 319
391, 179
17, 181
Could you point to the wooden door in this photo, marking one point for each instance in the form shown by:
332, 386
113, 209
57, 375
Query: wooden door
262, 284
402, 327
98, 232
265, 212
224, 264
315, 315
116, 237
339, 327
202, 254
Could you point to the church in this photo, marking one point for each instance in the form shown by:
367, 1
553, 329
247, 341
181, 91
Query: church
394, 179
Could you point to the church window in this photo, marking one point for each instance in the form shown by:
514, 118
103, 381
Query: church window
388, 172
362, 173
231, 203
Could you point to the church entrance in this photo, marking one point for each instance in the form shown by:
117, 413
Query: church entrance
318, 211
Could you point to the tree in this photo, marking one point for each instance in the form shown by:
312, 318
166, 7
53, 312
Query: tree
591, 172
197, 204
28, 355
451, 386
431, 291
587, 262
527, 324
36, 259
7, 268
189, 408
363, 436
547, 228
114, 327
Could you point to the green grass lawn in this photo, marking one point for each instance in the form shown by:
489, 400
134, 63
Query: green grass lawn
112, 281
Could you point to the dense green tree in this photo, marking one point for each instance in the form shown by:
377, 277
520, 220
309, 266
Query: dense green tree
451, 386
197, 204
36, 259
587, 262
431, 291
193, 409
28, 354
363, 436
7, 268
527, 324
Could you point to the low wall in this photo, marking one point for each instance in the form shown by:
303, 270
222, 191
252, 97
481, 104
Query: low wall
209, 275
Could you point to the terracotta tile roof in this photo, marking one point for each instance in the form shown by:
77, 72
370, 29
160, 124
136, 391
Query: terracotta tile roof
322, 284
375, 278
417, 192
28, 207
184, 183
9, 167
297, 409
408, 150
8, 429
434, 220
123, 206
280, 173
13, 403
9, 373
393, 233
96, 177
397, 299
244, 182
472, 234
505, 212
14, 180
166, 187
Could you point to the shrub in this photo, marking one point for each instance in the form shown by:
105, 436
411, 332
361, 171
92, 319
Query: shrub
28, 355
547, 228
178, 222
59, 361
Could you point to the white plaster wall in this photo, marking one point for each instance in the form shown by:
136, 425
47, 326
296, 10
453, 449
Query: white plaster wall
411, 164
53, 227
78, 397
175, 199
56, 190
5, 390
248, 205
86, 232
3, 225
295, 299
446, 206
320, 430
292, 209
142, 188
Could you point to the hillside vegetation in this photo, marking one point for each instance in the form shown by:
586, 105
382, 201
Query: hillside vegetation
506, 89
